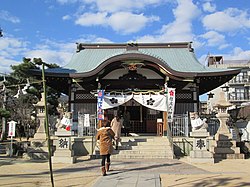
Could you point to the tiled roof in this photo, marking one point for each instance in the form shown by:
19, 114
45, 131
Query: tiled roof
180, 59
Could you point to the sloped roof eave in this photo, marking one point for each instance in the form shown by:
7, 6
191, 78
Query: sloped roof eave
204, 73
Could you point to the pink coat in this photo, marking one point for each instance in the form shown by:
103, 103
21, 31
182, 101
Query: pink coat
116, 126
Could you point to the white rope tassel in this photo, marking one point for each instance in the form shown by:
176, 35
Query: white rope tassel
26, 87
18, 93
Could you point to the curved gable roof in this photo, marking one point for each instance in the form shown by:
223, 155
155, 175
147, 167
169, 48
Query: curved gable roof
177, 58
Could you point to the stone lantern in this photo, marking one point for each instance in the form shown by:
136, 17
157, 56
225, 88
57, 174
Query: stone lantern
222, 105
224, 147
41, 133
39, 144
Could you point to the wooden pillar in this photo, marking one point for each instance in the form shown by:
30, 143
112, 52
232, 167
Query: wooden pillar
165, 121
165, 114
70, 98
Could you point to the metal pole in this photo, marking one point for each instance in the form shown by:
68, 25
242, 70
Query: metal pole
11, 146
47, 125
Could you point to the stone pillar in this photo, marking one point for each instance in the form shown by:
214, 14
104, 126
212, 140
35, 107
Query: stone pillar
200, 153
64, 152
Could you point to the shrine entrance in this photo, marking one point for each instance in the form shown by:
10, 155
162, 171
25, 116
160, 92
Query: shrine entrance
142, 119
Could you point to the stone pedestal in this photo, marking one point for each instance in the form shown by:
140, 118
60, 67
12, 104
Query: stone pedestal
64, 152
200, 153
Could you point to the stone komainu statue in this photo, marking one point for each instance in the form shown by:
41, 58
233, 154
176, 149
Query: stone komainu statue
66, 122
197, 123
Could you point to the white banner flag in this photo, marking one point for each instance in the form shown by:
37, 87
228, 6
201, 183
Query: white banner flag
171, 103
86, 120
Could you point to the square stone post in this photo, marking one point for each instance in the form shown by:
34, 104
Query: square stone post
200, 153
64, 152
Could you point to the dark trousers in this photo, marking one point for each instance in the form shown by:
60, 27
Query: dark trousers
126, 131
104, 157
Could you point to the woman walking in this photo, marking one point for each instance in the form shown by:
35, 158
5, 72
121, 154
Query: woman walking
116, 126
105, 135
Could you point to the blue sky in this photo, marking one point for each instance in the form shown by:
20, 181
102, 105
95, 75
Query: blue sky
49, 29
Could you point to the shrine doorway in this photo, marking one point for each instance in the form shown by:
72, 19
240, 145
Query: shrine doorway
142, 119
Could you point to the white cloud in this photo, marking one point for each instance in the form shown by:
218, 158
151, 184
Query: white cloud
119, 15
12, 50
214, 39
10, 46
123, 22
66, 17
6, 63
90, 19
237, 54
60, 52
9, 42
92, 39
50, 56
5, 15
230, 20
124, 5
126, 22
66, 1
209, 7
179, 30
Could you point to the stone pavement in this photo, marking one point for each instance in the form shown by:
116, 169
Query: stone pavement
124, 173
142, 172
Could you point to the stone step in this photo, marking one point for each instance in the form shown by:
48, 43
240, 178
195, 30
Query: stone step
141, 156
144, 151
220, 150
153, 143
140, 147
229, 156
38, 152
156, 139
151, 147
2, 149
224, 144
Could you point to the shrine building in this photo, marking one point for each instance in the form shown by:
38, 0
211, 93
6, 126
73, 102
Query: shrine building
129, 73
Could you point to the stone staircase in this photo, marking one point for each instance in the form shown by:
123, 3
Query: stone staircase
143, 147
2, 149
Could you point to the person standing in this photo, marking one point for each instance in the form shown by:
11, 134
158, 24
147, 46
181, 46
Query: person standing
105, 135
126, 122
116, 126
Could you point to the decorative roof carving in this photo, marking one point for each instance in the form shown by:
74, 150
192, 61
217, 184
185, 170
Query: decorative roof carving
132, 75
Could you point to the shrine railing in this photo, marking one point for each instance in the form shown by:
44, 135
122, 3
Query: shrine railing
87, 127
180, 127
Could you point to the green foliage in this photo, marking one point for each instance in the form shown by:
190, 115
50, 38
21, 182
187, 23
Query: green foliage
21, 71
4, 113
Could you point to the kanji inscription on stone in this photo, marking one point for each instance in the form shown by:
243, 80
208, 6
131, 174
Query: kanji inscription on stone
200, 143
63, 143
